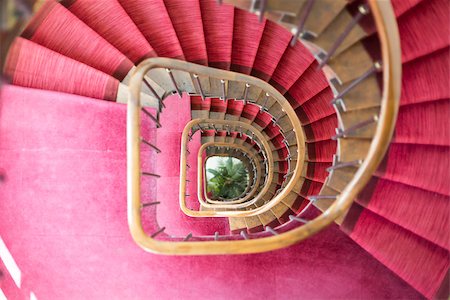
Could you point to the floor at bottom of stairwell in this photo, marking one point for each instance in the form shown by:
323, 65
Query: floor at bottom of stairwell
63, 220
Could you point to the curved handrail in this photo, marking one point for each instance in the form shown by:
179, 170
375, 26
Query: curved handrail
390, 46
200, 174
224, 213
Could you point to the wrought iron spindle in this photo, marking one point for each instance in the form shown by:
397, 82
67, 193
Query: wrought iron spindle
343, 133
174, 82
150, 145
362, 11
302, 20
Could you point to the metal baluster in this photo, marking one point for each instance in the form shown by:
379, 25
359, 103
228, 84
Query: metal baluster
343, 133
216, 236
321, 197
150, 174
188, 237
301, 220
174, 82
200, 90
288, 174
149, 204
247, 87
215, 129
355, 163
266, 99
262, 9
362, 11
158, 232
244, 235
302, 20
161, 103
375, 68
150, 145
153, 118
271, 230
288, 135
224, 93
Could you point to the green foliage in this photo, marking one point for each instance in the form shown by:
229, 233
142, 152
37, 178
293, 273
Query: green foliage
230, 179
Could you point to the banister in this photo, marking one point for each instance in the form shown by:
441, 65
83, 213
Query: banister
200, 187
390, 46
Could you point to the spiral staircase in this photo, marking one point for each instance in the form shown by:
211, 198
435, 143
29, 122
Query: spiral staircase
339, 109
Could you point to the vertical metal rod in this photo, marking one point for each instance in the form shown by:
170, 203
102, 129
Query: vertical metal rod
247, 87
262, 9
224, 93
302, 20
174, 82
150, 145
301, 220
354, 163
244, 235
150, 174
197, 80
288, 135
271, 230
342, 133
266, 99
216, 236
375, 68
153, 118
362, 11
158, 232
161, 103
188, 237
149, 204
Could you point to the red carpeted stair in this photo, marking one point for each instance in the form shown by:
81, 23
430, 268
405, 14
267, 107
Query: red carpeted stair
63, 208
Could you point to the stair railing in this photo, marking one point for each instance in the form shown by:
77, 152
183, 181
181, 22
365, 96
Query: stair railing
388, 34
247, 194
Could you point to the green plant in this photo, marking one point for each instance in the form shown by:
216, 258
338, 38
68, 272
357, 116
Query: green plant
230, 179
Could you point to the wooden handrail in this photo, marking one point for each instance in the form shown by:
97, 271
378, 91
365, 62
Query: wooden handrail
200, 175
224, 213
390, 46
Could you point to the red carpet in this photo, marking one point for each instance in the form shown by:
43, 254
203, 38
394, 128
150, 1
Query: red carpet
112, 23
63, 218
53, 26
63, 214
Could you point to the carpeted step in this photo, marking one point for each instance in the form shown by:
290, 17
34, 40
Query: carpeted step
186, 19
234, 109
218, 23
247, 33
32, 65
317, 171
56, 28
419, 211
152, 19
421, 166
273, 43
262, 120
402, 6
199, 107
110, 20
422, 29
323, 129
321, 151
422, 123
285, 75
419, 262
316, 108
426, 78
249, 113
310, 83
